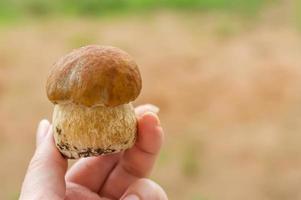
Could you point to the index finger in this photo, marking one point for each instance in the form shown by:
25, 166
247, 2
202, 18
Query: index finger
138, 161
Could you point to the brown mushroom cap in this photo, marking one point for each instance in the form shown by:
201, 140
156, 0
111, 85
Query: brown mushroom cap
94, 75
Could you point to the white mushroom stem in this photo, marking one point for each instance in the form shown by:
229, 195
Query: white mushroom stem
81, 131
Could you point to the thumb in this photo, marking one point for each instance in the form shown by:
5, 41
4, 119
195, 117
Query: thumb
47, 168
144, 189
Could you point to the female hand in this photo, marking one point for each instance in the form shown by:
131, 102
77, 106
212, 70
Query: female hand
117, 176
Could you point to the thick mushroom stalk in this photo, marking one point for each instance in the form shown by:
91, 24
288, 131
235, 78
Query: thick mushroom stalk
81, 131
92, 88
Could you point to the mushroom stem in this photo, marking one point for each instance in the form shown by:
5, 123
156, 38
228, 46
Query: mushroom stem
82, 131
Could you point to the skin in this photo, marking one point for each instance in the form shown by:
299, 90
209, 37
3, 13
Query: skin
117, 176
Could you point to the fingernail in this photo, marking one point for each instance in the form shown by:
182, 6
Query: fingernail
42, 130
153, 120
43, 126
152, 108
141, 110
131, 197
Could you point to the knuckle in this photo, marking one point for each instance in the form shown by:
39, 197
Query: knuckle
36, 162
158, 191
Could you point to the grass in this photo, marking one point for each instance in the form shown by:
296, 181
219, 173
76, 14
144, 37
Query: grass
225, 29
17, 9
190, 160
80, 40
298, 14
14, 195
198, 197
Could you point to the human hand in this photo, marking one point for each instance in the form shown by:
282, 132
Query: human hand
117, 176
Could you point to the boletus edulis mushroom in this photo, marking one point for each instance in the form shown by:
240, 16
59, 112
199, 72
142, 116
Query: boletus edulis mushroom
92, 89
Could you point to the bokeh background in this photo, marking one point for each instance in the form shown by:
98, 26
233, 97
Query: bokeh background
225, 73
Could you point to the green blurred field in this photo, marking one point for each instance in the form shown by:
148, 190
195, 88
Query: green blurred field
228, 85
16, 9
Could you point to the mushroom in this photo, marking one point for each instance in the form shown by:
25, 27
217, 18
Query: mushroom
92, 88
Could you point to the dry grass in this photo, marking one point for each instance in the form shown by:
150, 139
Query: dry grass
229, 92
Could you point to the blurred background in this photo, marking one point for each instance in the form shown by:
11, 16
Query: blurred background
225, 73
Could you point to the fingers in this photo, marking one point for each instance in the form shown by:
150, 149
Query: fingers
92, 172
46, 171
75, 191
144, 189
42, 131
141, 110
138, 161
